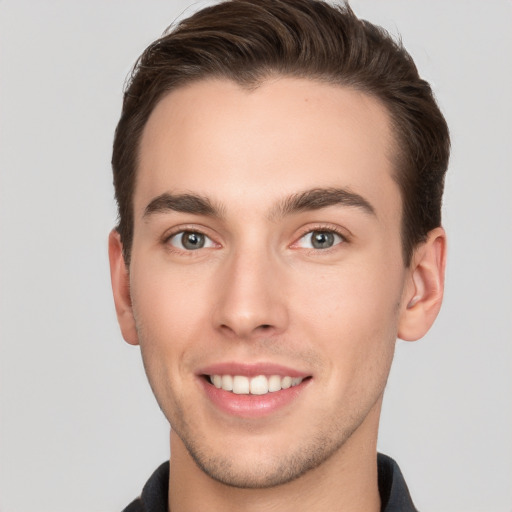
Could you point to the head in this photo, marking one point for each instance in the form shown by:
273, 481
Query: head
250, 41
278, 167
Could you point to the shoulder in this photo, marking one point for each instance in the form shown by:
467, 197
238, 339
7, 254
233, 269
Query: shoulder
154, 497
393, 490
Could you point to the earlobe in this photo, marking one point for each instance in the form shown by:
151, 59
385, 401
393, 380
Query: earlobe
121, 288
423, 294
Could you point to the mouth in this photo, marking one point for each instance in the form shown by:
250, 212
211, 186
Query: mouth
252, 390
258, 385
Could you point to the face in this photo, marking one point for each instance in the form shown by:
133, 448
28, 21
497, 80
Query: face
266, 280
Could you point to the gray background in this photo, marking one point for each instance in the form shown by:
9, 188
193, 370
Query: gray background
80, 430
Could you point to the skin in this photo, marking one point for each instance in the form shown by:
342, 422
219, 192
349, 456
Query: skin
259, 291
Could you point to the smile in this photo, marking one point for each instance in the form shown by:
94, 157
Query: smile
259, 385
254, 390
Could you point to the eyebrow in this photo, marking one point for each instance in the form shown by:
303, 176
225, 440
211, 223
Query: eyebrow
184, 203
318, 198
313, 199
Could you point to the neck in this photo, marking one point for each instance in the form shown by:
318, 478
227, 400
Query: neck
347, 482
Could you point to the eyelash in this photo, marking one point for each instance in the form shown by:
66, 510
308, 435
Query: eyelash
323, 229
166, 239
319, 228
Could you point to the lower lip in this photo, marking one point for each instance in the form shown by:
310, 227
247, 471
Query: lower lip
252, 406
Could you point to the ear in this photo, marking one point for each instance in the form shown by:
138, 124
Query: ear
121, 288
424, 290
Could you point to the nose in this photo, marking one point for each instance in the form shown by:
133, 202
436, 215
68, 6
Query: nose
251, 296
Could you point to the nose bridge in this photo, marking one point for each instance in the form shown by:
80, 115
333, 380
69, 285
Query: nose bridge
250, 298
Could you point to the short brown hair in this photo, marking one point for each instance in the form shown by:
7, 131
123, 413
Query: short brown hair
247, 41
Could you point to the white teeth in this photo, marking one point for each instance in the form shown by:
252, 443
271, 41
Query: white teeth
259, 385
240, 385
274, 383
227, 382
286, 382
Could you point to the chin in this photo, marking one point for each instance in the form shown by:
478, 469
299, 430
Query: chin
263, 466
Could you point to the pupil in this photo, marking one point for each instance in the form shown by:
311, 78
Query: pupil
322, 239
192, 240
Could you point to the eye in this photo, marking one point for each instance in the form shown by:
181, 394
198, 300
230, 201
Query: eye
320, 239
190, 241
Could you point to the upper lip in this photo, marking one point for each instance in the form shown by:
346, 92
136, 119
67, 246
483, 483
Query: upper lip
251, 369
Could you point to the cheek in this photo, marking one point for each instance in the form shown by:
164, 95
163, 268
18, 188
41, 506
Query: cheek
351, 314
170, 311
168, 302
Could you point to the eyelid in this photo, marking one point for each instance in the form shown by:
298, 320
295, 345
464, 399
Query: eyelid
343, 233
208, 242
177, 230
195, 228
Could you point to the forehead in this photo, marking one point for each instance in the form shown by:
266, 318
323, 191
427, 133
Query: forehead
223, 141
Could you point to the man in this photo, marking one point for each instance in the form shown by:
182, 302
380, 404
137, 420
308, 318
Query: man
279, 169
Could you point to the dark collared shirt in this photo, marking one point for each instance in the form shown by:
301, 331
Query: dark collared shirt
393, 490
